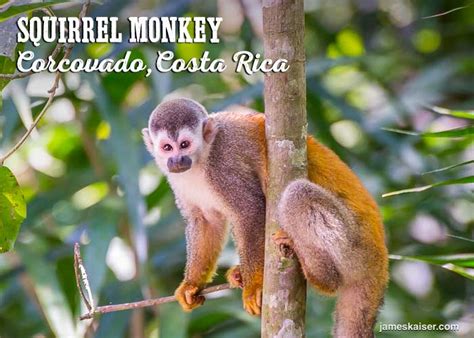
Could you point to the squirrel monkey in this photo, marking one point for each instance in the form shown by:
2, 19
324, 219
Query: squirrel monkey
216, 166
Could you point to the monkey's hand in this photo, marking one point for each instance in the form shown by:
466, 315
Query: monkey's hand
234, 277
252, 299
251, 295
188, 296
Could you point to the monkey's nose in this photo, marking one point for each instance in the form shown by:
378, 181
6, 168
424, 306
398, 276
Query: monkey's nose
179, 164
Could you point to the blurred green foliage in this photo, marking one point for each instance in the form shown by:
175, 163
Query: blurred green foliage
86, 176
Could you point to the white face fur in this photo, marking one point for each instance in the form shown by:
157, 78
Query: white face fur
189, 143
189, 185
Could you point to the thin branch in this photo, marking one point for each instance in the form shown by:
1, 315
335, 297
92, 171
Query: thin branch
81, 276
147, 302
84, 10
82, 283
52, 93
444, 13
16, 75
55, 53
48, 11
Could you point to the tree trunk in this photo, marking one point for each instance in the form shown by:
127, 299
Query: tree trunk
284, 292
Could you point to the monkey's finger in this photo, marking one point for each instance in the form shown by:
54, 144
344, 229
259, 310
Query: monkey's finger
237, 278
253, 309
281, 238
185, 306
251, 306
189, 295
199, 300
249, 309
256, 308
259, 298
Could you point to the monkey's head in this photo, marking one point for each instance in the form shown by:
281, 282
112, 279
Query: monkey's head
179, 134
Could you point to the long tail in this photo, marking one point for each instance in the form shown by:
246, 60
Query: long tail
357, 309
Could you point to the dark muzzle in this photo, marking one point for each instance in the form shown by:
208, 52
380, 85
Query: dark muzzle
179, 164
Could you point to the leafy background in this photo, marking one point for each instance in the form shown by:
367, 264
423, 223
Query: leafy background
86, 177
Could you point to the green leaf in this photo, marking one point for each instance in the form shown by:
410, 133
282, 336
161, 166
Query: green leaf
464, 260
462, 264
7, 66
21, 9
457, 132
462, 180
461, 238
467, 273
12, 209
465, 114
400, 131
448, 167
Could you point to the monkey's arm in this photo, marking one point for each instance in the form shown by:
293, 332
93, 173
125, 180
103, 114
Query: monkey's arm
249, 235
205, 238
237, 180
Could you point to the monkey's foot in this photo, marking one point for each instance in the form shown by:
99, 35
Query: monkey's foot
234, 277
252, 299
188, 296
284, 243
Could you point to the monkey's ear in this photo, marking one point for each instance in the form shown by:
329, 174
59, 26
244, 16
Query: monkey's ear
147, 140
209, 129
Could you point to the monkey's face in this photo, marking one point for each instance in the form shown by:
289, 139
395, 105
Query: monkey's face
176, 152
179, 134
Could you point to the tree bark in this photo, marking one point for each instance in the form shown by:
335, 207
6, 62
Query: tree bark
284, 292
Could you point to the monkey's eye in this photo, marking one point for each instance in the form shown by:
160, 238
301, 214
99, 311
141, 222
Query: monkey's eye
167, 147
184, 144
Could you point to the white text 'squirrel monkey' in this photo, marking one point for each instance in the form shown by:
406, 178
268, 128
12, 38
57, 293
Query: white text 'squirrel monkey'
105, 30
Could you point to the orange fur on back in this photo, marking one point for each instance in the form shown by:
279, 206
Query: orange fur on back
326, 169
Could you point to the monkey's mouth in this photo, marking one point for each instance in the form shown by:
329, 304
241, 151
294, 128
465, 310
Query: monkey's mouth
176, 170
179, 164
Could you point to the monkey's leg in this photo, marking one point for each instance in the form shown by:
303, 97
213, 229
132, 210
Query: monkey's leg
249, 234
335, 254
320, 272
205, 239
